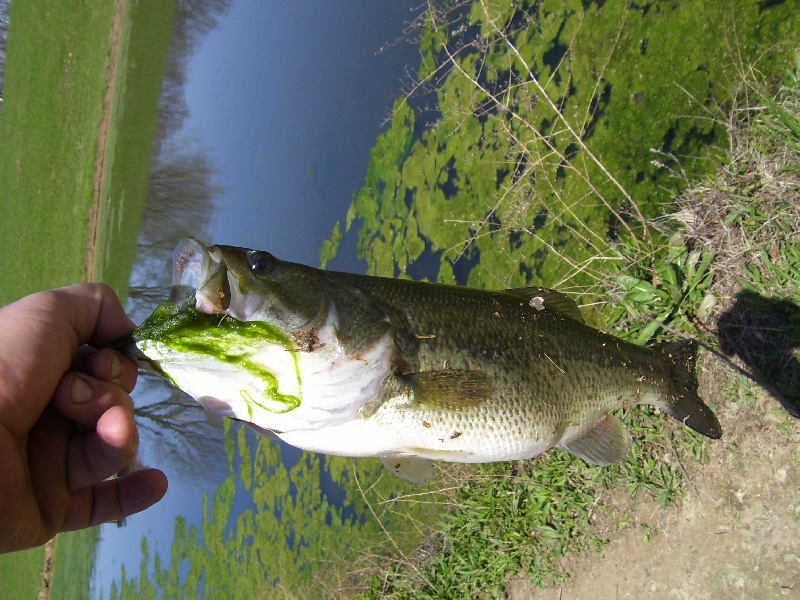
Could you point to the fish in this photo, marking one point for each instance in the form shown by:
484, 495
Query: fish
409, 372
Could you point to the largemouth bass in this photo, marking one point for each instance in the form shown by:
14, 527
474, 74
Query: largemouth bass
405, 371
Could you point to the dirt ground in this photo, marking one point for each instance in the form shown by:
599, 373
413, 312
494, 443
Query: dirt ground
104, 129
735, 535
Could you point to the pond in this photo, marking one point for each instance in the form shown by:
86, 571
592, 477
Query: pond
285, 101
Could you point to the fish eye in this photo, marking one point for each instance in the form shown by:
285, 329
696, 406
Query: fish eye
262, 263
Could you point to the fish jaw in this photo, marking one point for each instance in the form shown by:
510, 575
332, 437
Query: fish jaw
230, 388
196, 271
263, 378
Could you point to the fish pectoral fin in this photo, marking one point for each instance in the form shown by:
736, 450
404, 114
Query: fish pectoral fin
544, 298
604, 444
413, 469
449, 389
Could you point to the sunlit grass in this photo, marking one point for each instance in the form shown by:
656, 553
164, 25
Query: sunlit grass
55, 78
21, 574
135, 121
75, 559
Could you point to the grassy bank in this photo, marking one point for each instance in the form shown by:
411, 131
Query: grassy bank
539, 131
125, 193
737, 243
55, 80
21, 574
75, 557
542, 146
51, 122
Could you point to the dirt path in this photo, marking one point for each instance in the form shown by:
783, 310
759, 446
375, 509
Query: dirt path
47, 572
95, 211
736, 535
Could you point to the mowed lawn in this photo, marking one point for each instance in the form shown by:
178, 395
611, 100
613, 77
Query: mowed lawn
56, 77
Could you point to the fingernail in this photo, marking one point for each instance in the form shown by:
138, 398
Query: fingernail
116, 366
81, 391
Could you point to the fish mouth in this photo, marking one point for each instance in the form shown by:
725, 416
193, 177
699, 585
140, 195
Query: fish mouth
213, 278
200, 272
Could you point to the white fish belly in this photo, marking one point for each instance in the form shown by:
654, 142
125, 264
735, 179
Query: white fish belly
396, 430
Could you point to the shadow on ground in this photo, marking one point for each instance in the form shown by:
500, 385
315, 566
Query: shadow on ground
764, 333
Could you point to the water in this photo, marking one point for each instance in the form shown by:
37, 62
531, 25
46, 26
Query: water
290, 97
287, 100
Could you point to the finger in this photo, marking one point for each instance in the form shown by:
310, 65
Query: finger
111, 366
84, 399
95, 455
92, 311
115, 499
97, 316
39, 336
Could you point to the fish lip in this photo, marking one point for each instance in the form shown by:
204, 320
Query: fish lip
200, 272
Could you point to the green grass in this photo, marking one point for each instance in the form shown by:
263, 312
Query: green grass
75, 554
55, 79
21, 574
54, 90
126, 193
560, 125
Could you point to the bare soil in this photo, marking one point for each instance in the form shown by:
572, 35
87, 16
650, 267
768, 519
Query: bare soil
47, 572
104, 129
735, 535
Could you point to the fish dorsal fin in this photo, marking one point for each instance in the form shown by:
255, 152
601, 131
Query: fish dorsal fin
413, 469
449, 389
544, 298
604, 444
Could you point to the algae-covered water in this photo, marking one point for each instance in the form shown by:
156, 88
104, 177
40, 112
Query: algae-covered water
549, 128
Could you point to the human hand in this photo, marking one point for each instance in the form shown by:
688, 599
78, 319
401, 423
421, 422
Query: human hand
66, 417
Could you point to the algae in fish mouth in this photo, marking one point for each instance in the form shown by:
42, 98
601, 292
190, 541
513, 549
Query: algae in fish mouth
173, 332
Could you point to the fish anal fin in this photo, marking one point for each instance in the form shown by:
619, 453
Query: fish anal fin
544, 298
440, 454
449, 389
604, 444
411, 468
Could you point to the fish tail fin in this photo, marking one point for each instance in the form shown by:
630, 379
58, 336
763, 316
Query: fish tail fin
683, 402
